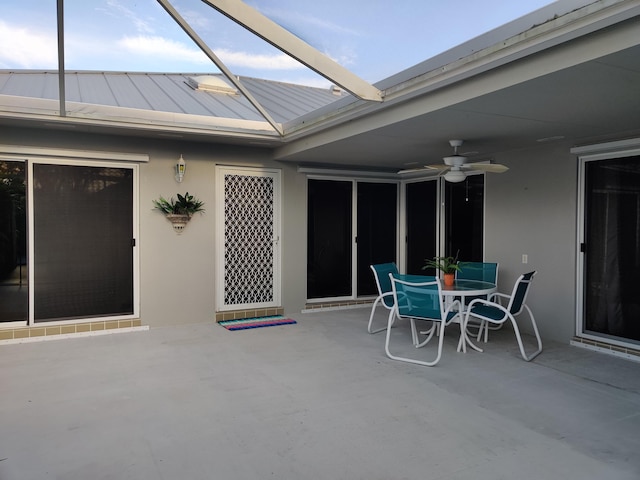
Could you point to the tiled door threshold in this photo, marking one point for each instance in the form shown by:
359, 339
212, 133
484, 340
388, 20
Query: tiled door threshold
41, 333
599, 346
339, 305
250, 313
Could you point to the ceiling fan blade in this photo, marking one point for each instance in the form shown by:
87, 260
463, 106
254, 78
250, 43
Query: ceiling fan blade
411, 170
487, 167
427, 170
438, 166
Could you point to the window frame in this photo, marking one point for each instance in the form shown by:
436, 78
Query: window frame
39, 155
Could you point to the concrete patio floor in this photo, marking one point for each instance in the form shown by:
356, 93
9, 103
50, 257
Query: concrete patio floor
315, 400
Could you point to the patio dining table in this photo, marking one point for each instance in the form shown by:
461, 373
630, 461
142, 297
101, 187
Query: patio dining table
461, 289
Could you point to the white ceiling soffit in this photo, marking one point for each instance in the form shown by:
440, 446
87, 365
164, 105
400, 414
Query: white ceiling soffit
432, 76
288, 43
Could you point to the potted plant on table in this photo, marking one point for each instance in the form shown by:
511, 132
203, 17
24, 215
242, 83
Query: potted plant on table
447, 265
179, 211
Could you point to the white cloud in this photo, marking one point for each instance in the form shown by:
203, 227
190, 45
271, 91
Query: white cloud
169, 51
140, 24
22, 48
317, 82
288, 18
196, 20
166, 50
258, 61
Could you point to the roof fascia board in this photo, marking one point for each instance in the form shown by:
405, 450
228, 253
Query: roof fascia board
552, 33
28, 151
45, 110
511, 29
293, 46
556, 32
320, 172
214, 58
630, 146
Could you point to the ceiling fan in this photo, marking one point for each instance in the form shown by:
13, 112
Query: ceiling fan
455, 167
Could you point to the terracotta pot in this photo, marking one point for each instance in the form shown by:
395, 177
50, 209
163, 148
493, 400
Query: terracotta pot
449, 278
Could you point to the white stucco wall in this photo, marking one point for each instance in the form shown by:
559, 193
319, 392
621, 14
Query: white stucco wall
187, 262
177, 272
531, 209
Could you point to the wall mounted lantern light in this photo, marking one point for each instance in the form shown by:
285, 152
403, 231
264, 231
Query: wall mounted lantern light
181, 167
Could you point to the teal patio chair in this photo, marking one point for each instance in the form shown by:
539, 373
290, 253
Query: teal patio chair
492, 312
482, 271
385, 296
421, 301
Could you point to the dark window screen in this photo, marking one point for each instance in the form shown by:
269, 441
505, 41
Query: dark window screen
377, 219
612, 256
464, 213
83, 231
329, 239
422, 204
14, 299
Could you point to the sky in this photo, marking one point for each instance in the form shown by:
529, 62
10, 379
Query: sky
373, 38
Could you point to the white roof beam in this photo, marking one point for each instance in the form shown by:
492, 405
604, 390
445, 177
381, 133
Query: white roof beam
293, 46
214, 58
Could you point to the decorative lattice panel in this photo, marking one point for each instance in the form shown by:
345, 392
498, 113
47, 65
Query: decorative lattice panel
248, 239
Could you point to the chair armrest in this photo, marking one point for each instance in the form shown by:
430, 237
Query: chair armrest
496, 296
481, 301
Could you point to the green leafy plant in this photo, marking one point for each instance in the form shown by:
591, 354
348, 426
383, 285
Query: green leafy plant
184, 205
445, 264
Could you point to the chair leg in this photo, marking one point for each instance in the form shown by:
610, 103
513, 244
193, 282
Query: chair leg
429, 333
464, 335
484, 327
373, 311
412, 360
414, 332
526, 357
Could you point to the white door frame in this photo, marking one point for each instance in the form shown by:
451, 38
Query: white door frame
589, 153
275, 174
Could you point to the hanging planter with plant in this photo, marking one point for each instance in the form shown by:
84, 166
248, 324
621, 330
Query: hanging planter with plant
179, 211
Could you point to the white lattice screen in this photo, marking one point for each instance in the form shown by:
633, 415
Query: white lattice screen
248, 239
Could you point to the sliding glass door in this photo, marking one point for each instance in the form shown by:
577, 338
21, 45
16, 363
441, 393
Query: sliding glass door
444, 218
329, 238
14, 282
464, 219
354, 224
348, 220
82, 241
421, 222
611, 249
67, 241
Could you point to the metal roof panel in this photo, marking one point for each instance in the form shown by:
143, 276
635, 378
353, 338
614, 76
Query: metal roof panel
168, 92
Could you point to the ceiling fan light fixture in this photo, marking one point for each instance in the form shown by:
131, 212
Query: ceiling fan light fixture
455, 160
455, 176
